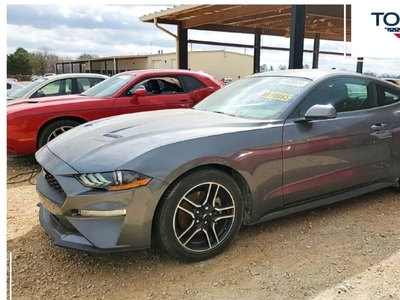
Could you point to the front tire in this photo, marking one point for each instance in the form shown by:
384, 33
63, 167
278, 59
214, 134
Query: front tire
54, 129
199, 216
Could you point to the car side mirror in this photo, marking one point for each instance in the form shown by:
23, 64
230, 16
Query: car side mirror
318, 112
140, 93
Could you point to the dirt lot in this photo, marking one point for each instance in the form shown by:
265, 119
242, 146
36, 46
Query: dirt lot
349, 250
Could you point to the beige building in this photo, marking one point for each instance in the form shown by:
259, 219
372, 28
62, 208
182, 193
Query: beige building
220, 63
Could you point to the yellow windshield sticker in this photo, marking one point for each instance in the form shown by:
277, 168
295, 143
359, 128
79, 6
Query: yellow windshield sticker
277, 96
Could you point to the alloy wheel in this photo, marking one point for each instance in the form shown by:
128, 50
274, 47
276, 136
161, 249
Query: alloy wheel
55, 133
204, 217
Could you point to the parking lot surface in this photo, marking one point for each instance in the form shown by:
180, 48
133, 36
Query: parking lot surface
349, 250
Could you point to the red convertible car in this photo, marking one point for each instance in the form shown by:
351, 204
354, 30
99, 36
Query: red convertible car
32, 123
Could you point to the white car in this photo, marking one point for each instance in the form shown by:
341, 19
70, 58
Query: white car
58, 85
13, 86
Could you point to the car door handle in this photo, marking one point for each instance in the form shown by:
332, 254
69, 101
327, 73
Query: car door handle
184, 100
377, 127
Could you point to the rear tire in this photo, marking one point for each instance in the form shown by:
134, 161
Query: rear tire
199, 216
54, 129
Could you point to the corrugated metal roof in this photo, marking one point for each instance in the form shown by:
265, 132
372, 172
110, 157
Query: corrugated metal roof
168, 11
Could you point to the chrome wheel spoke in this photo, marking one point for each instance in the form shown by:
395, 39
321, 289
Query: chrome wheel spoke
211, 195
208, 238
224, 213
191, 202
224, 208
186, 211
191, 236
186, 231
231, 216
215, 233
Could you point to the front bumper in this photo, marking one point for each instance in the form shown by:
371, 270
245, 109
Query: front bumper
68, 238
20, 147
58, 212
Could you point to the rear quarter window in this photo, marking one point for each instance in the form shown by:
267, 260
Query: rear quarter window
191, 83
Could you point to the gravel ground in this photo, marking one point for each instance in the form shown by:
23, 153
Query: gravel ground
349, 250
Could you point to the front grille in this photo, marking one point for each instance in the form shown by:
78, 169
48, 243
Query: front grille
52, 181
64, 223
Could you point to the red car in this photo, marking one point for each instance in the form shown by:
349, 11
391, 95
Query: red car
32, 123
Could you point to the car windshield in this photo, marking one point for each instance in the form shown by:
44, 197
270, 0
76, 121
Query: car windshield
26, 89
109, 87
255, 97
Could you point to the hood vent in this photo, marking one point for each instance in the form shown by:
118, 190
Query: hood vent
112, 135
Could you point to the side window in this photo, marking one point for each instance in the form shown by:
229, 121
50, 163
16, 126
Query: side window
94, 81
85, 83
344, 94
158, 86
8, 86
191, 83
57, 88
387, 96
82, 84
51, 89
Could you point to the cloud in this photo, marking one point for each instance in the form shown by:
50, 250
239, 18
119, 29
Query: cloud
111, 30
83, 17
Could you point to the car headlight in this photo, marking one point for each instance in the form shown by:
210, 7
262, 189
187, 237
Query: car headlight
113, 181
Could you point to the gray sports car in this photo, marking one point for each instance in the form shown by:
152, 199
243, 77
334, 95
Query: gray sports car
185, 180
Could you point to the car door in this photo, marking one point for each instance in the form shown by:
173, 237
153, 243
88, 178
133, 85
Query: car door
389, 103
324, 157
163, 92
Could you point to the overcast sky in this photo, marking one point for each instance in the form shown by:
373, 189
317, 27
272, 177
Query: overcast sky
108, 30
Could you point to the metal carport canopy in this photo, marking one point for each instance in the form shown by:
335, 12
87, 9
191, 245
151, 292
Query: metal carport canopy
295, 21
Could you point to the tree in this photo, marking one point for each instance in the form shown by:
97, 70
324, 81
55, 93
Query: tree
18, 63
370, 73
43, 61
263, 68
87, 56
282, 67
271, 68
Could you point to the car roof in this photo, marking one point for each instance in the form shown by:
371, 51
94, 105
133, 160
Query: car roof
163, 71
311, 74
73, 75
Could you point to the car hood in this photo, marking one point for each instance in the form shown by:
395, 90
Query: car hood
109, 143
30, 105
43, 100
